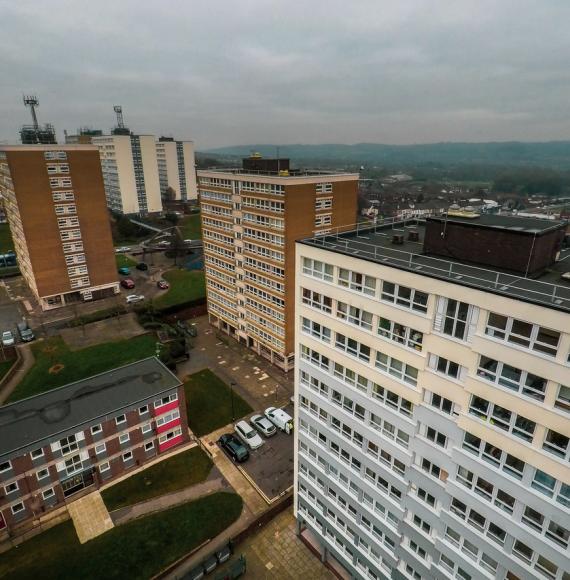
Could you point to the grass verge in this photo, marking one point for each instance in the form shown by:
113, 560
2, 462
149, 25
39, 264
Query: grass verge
138, 549
209, 403
124, 261
78, 364
191, 227
185, 286
178, 472
5, 366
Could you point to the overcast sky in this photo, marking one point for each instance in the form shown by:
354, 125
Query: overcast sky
231, 72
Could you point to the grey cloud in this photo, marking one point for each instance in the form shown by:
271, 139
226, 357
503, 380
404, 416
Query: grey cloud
274, 71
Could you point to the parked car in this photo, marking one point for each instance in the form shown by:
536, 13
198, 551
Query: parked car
195, 574
223, 555
127, 283
25, 332
8, 338
163, 284
280, 419
263, 425
210, 564
122, 250
248, 434
124, 271
134, 298
142, 266
188, 241
233, 447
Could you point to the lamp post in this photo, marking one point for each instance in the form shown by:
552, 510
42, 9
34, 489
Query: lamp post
232, 384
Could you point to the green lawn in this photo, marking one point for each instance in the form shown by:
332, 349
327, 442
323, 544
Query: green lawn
208, 403
178, 472
78, 364
191, 227
124, 261
138, 549
185, 285
6, 243
5, 366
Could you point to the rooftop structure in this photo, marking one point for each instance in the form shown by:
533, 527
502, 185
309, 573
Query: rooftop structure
36, 133
400, 244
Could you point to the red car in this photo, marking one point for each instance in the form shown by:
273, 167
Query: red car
127, 283
163, 284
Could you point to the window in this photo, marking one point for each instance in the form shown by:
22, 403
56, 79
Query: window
324, 187
101, 448
357, 281
5, 466
127, 456
148, 446
146, 428
488, 491
11, 488
37, 453
170, 435
421, 524
96, 429
124, 438
441, 403
318, 269
47, 493
315, 357
447, 367
426, 497
558, 534
431, 468
557, 444
352, 347
437, 437
389, 430
17, 508
400, 333
354, 315
73, 464
120, 419
316, 300
404, 296
502, 418
165, 400
316, 330
323, 203
512, 378
523, 334
563, 399
396, 368
104, 467
323, 220
143, 410
42, 474
68, 445
455, 319
168, 417
497, 457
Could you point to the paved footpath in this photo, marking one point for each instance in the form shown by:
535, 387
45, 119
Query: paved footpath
275, 552
90, 516
163, 502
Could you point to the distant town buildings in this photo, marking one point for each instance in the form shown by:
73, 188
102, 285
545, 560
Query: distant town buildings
84, 136
55, 203
251, 218
176, 169
62, 444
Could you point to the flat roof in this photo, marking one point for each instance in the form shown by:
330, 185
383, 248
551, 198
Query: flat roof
291, 174
530, 225
50, 147
43, 416
373, 243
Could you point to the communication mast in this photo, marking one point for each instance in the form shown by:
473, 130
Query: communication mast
120, 129
35, 133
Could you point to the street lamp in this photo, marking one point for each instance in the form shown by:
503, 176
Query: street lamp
232, 384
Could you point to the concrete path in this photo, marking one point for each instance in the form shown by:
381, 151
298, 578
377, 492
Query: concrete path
27, 362
90, 517
251, 497
163, 502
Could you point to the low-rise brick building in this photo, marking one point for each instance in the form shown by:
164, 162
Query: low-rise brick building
59, 445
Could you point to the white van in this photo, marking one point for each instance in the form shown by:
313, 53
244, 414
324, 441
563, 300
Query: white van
280, 419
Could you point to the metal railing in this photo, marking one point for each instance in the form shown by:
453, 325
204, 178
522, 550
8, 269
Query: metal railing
354, 242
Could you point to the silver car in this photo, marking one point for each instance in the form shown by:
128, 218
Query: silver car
8, 338
263, 425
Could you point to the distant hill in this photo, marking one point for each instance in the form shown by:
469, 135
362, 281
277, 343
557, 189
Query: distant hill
552, 154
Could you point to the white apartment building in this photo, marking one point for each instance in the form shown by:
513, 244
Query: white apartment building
433, 404
130, 173
176, 168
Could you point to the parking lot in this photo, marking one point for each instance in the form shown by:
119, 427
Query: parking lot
10, 313
270, 466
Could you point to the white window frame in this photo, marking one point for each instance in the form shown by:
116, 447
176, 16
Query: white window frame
354, 315
316, 330
399, 333
127, 456
397, 295
357, 282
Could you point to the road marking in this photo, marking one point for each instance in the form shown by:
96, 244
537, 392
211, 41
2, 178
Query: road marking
235, 368
218, 343
263, 377
222, 362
